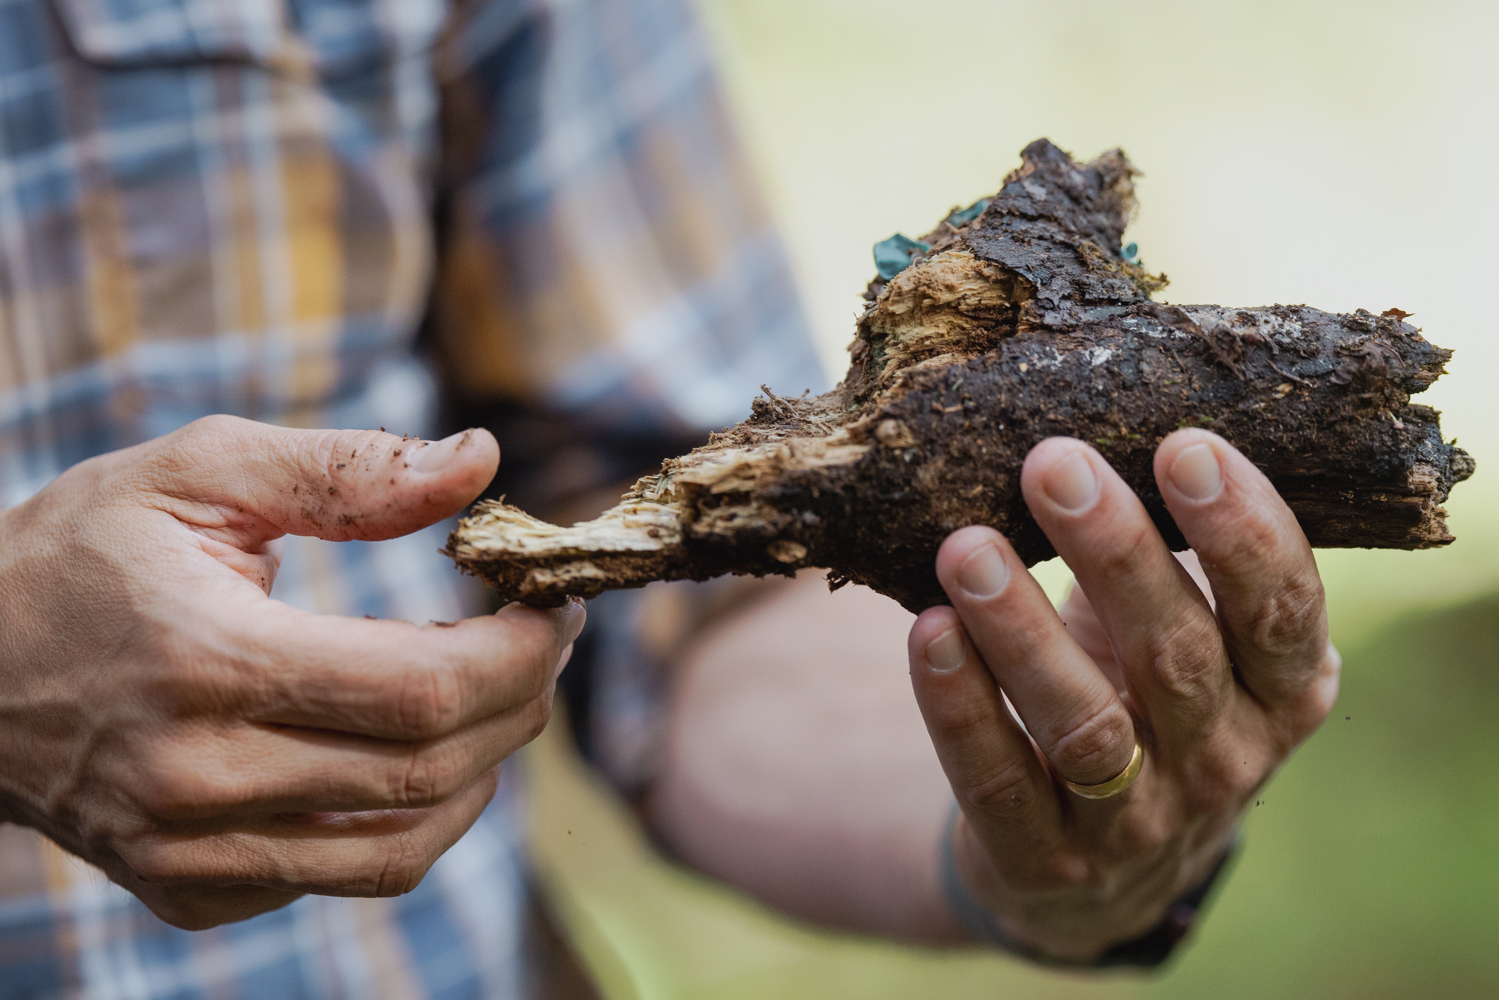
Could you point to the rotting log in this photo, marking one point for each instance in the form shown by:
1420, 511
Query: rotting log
1017, 319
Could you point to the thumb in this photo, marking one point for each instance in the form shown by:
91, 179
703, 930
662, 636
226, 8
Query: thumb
252, 482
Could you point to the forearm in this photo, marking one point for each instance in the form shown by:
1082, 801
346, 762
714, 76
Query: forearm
798, 767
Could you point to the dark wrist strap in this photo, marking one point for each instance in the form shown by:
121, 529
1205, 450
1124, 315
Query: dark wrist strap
973, 918
1146, 951
1156, 945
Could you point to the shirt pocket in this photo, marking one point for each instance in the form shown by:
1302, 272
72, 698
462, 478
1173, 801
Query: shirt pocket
126, 33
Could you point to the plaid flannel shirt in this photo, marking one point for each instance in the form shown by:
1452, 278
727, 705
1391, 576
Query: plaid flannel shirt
249, 206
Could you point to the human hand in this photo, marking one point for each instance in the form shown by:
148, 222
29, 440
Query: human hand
1217, 697
215, 751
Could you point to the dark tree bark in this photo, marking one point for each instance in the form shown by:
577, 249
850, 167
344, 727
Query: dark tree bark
1022, 323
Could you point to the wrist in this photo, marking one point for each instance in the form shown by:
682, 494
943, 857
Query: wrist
1156, 945
1076, 945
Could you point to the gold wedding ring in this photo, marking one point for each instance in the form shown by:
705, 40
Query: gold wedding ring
1114, 785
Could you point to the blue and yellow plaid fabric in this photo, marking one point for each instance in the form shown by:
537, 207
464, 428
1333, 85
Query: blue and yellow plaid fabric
251, 206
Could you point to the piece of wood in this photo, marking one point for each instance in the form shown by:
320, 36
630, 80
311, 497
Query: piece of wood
1020, 324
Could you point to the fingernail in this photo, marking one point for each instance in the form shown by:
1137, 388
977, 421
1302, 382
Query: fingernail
984, 573
1071, 484
1195, 473
945, 654
434, 456
577, 617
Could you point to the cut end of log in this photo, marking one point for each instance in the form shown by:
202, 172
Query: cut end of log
690, 521
529, 560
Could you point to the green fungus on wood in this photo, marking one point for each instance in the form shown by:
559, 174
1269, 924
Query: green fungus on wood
894, 255
963, 217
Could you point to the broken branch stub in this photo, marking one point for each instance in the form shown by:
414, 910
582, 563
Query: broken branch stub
1018, 324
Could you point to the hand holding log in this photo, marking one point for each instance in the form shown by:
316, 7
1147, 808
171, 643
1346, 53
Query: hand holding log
1018, 322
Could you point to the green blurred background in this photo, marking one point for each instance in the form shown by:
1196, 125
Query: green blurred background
1335, 153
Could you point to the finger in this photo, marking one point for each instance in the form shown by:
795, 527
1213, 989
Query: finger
1158, 624
1086, 628
1253, 552
391, 679
313, 770
1087, 631
244, 482
1069, 707
988, 759
384, 853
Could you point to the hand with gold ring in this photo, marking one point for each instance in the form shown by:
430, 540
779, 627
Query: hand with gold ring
1150, 710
